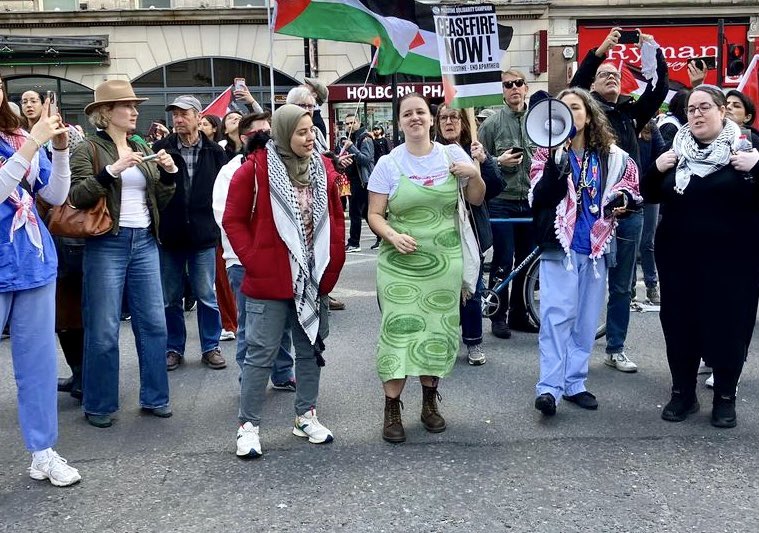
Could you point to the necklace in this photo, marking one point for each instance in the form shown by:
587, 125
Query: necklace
584, 185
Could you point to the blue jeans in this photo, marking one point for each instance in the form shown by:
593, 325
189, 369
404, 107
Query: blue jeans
282, 368
471, 314
110, 262
511, 243
650, 221
201, 269
620, 279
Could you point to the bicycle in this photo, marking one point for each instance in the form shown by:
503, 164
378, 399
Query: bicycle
530, 291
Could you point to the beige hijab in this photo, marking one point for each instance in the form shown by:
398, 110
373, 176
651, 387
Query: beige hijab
283, 124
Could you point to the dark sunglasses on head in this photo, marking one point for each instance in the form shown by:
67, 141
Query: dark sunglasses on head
512, 83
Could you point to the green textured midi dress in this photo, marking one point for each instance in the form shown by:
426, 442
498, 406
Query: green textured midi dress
419, 292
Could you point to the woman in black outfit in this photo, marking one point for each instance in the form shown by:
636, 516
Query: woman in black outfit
707, 253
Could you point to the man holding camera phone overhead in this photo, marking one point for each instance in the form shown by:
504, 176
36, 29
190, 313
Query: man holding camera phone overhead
627, 117
503, 135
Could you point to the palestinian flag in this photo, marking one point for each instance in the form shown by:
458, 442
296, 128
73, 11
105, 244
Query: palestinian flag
223, 104
403, 30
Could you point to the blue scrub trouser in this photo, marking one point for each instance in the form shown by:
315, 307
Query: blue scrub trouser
31, 315
570, 307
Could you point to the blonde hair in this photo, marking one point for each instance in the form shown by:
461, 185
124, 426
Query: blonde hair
514, 72
99, 117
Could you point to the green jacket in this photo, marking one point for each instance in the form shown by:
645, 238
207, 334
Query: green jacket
87, 188
497, 134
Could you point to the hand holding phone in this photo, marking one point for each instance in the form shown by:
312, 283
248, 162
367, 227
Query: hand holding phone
705, 62
516, 150
53, 108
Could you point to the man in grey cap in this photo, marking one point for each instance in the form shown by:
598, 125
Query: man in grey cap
189, 233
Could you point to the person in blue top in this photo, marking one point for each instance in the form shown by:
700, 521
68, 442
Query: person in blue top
28, 269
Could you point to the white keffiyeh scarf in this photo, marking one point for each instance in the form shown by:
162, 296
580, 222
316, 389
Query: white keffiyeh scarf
307, 263
698, 161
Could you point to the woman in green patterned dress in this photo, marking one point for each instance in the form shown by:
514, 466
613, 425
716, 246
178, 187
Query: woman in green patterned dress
420, 267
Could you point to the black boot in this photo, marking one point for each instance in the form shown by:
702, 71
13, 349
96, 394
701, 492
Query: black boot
723, 411
72, 385
393, 431
679, 407
431, 417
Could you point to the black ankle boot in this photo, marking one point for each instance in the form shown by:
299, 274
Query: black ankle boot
723, 411
431, 417
679, 407
72, 385
393, 431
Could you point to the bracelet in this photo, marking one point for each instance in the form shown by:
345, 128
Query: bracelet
61, 149
39, 144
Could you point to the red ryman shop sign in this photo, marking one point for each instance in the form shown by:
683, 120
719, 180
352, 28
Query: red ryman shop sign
678, 43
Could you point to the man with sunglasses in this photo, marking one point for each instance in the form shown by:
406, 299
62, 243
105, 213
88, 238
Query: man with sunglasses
628, 117
503, 135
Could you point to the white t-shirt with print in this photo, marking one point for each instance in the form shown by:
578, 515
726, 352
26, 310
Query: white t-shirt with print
426, 171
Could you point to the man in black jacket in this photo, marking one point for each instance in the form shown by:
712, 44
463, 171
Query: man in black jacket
189, 234
628, 117
360, 145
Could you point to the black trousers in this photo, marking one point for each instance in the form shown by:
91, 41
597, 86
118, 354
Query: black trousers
358, 210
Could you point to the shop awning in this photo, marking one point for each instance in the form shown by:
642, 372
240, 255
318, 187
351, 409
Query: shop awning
16, 50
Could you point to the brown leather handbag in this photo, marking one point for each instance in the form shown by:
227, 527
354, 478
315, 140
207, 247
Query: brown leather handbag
69, 221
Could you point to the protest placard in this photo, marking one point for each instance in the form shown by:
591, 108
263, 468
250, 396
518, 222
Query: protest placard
467, 37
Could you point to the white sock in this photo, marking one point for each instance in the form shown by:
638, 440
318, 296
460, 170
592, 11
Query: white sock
42, 454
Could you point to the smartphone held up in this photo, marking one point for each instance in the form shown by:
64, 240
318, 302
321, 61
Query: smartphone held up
53, 99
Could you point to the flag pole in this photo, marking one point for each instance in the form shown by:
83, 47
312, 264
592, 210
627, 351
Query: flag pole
368, 73
270, 14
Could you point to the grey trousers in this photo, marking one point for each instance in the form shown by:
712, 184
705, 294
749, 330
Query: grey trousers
264, 323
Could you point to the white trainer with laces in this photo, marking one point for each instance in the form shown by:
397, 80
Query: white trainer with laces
307, 425
620, 361
227, 335
248, 443
50, 465
474, 355
709, 381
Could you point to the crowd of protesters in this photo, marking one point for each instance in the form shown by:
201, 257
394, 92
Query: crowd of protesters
248, 210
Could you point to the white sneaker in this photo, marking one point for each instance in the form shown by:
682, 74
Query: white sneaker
248, 443
703, 369
710, 381
307, 425
474, 355
227, 335
620, 362
55, 468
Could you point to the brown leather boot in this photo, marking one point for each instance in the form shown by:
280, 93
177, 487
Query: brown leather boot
431, 418
393, 428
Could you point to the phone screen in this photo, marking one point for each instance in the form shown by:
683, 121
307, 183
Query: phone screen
629, 36
53, 103
516, 150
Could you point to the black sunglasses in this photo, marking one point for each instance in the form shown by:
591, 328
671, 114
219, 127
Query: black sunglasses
512, 83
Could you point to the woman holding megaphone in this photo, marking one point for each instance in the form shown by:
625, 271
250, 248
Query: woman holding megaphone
577, 192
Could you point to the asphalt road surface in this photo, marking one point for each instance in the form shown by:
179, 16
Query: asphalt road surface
498, 467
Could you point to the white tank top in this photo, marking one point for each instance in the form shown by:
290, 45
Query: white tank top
134, 205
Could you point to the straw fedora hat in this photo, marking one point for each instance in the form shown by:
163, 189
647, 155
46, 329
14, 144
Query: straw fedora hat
112, 91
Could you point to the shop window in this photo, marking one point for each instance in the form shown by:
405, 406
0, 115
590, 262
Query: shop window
191, 73
60, 5
155, 4
154, 78
226, 70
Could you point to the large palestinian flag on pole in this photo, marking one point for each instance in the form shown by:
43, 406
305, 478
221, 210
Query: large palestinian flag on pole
403, 30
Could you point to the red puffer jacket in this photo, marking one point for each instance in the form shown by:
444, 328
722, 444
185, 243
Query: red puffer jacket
249, 223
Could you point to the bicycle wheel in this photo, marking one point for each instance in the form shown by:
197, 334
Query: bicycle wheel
532, 298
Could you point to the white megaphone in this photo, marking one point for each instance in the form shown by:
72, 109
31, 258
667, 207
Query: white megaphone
549, 123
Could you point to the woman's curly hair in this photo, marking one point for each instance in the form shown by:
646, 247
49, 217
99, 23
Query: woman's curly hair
599, 134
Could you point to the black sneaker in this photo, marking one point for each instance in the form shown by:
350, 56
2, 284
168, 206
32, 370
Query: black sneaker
288, 385
723, 412
583, 399
546, 404
679, 407
376, 244
500, 328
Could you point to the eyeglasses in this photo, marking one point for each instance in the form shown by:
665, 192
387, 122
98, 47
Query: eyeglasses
513, 83
606, 74
449, 118
701, 108
308, 107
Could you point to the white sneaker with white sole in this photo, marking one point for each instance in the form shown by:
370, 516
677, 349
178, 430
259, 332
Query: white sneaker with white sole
620, 361
248, 443
474, 355
307, 425
49, 465
227, 335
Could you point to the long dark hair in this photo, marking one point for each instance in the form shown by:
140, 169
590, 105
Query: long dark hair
465, 139
231, 148
598, 133
748, 105
9, 121
216, 123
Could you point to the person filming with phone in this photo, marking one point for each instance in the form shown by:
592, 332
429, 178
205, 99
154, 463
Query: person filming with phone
628, 117
503, 136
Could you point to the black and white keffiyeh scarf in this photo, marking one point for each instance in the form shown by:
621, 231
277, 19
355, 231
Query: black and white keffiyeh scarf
307, 263
695, 160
